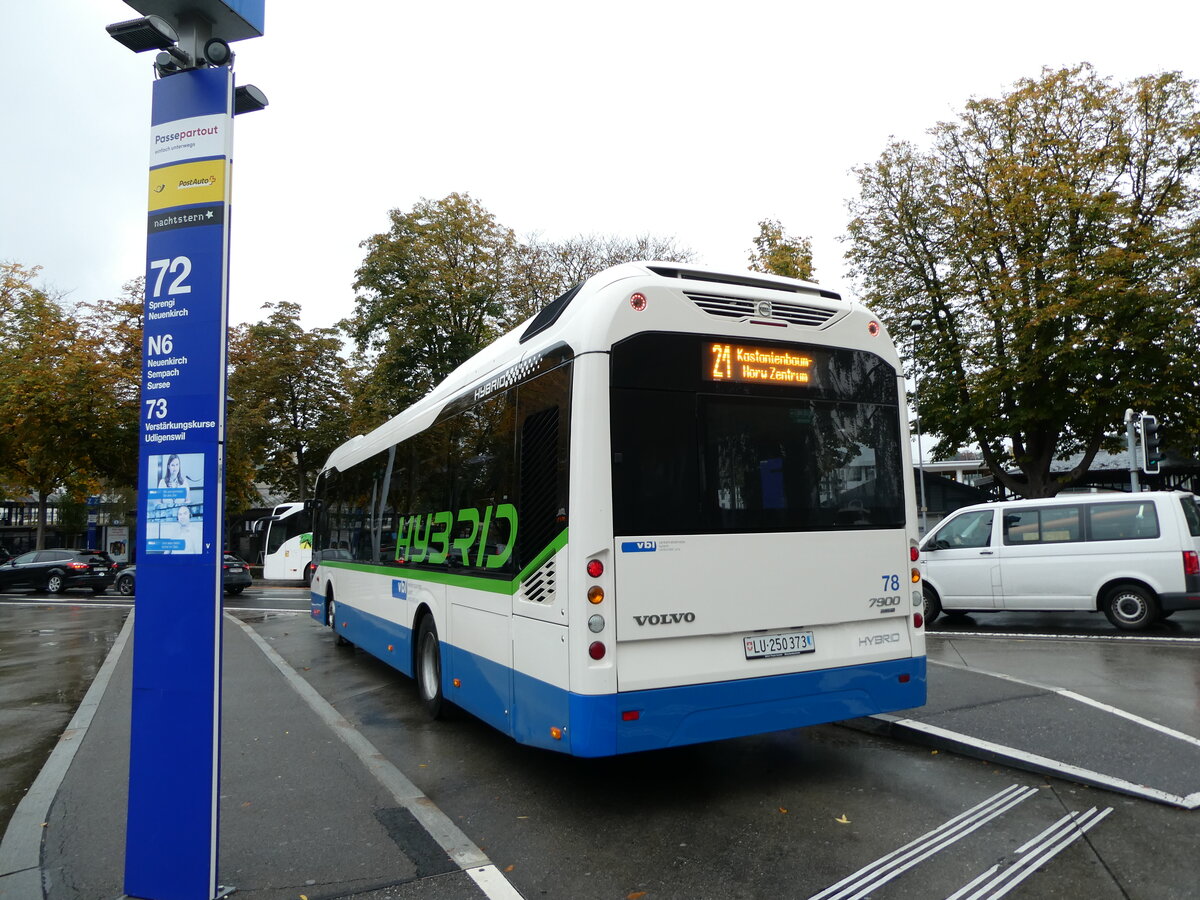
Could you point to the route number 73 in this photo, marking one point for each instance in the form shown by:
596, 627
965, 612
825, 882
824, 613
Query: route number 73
181, 265
156, 409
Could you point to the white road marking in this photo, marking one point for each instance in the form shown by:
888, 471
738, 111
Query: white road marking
1002, 753
440, 827
1080, 698
1040, 850
1033, 636
873, 875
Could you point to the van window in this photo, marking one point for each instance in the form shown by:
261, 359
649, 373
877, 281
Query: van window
1191, 512
1123, 521
973, 529
1042, 525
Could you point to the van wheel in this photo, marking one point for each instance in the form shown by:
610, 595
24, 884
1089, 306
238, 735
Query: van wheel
933, 606
1131, 608
429, 668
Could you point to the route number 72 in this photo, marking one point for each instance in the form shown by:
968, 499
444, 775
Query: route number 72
178, 285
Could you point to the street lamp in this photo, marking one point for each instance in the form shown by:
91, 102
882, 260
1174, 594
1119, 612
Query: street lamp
146, 33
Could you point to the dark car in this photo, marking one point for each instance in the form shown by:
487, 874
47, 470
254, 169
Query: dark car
235, 575
55, 571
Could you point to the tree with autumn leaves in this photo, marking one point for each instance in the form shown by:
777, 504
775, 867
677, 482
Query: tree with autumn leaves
68, 391
1039, 260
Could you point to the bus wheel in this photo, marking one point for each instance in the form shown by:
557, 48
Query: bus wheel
429, 668
1130, 607
331, 621
933, 606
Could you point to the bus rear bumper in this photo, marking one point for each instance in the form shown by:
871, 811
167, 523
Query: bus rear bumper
671, 717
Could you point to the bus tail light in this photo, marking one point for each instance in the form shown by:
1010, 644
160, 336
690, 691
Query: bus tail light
1191, 562
916, 575
918, 620
595, 568
913, 553
595, 594
597, 650
631, 715
638, 301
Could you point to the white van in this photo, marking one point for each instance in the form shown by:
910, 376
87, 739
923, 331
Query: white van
1134, 556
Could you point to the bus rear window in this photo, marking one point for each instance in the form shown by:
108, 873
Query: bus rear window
693, 457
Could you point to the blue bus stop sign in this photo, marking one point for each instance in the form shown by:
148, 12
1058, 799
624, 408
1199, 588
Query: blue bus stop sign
174, 771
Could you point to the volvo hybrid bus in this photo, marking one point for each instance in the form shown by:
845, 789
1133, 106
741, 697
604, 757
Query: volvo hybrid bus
674, 506
287, 543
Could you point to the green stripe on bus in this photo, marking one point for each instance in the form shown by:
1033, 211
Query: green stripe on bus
491, 585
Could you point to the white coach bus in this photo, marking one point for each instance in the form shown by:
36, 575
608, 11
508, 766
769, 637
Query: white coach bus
287, 547
675, 506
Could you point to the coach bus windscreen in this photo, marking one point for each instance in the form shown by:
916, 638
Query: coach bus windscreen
713, 436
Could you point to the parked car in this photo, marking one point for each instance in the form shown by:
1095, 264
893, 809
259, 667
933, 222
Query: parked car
1134, 557
57, 570
235, 576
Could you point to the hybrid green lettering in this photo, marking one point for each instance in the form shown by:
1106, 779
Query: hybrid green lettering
458, 537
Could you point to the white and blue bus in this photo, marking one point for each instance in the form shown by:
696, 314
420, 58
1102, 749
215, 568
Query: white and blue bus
287, 543
674, 506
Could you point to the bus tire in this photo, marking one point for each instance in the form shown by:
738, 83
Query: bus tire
429, 668
331, 621
933, 606
1130, 607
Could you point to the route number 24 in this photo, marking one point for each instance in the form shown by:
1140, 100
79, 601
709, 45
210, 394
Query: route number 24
180, 267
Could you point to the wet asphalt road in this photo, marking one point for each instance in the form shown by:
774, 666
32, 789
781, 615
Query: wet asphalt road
777, 815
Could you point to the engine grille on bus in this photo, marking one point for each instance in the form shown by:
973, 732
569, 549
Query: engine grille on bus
739, 307
540, 586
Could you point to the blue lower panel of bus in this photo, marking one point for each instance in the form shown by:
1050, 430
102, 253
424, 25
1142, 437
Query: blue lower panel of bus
605, 725
672, 717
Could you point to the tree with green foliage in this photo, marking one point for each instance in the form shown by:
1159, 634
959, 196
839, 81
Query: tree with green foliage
112, 332
1040, 261
431, 292
289, 404
445, 280
778, 253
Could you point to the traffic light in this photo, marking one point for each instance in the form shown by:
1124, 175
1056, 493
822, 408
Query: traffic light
1151, 452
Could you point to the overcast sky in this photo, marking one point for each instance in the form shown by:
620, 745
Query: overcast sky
686, 119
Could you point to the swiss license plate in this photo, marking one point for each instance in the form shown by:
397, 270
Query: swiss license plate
785, 643
235, 569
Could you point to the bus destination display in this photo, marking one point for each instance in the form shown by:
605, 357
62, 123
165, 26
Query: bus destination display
747, 363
